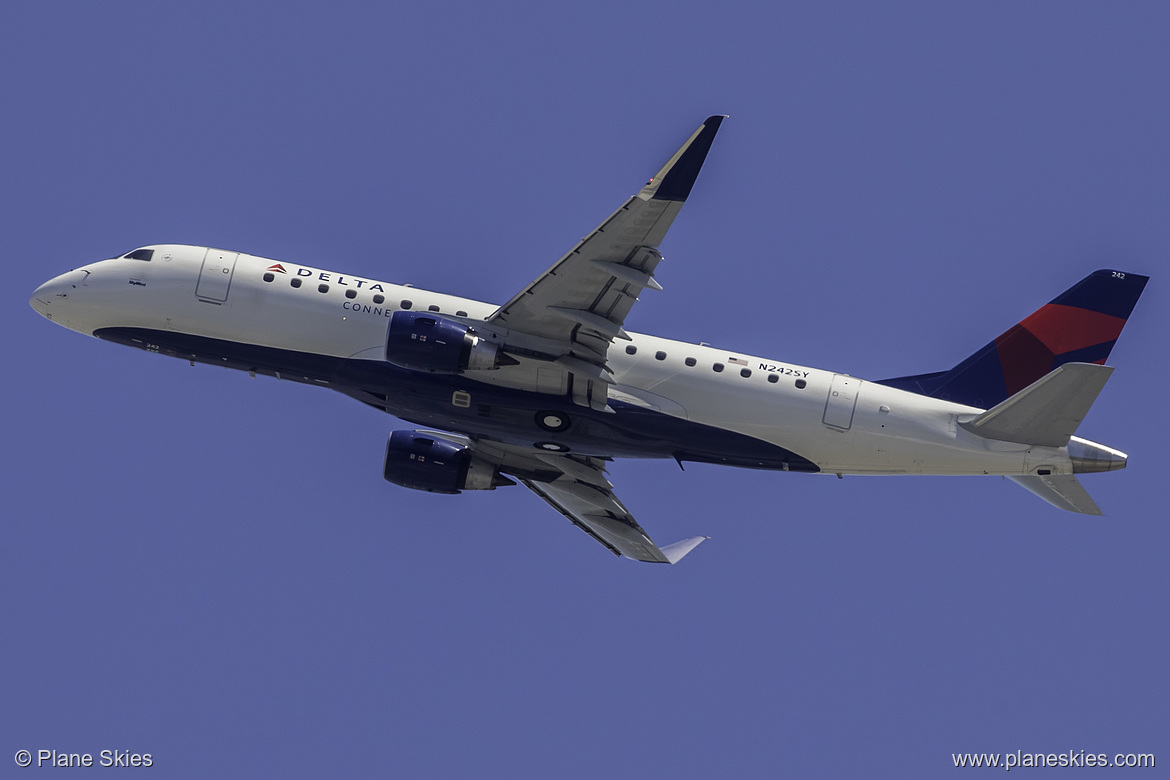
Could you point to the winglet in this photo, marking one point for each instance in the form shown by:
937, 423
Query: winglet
676, 178
677, 551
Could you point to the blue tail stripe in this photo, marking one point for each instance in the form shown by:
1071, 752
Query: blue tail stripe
1110, 292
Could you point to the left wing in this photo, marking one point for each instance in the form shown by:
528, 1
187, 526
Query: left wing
577, 487
572, 312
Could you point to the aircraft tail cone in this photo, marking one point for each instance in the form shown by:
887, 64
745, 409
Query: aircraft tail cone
1088, 458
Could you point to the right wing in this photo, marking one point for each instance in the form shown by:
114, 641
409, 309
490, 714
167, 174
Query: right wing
596, 511
577, 487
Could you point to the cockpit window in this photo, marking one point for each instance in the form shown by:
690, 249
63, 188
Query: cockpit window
139, 254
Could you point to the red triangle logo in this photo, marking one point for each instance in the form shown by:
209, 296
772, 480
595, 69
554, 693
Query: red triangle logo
278, 268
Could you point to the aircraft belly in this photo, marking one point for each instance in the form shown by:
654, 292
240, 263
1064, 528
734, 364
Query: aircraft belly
637, 427
457, 403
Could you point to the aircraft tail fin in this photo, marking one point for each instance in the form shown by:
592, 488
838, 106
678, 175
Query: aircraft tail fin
1047, 412
1080, 325
1063, 491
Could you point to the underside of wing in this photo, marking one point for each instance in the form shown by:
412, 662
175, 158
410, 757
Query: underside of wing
1062, 491
597, 512
578, 488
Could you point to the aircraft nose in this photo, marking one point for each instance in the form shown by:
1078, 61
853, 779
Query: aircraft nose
51, 295
42, 298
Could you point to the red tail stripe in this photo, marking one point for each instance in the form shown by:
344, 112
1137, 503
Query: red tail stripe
1069, 328
1023, 358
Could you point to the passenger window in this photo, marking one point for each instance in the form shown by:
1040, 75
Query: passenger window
351, 294
690, 361
717, 367
322, 288
268, 277
432, 307
773, 378
406, 304
295, 281
660, 355
378, 297
631, 349
460, 313
801, 384
745, 372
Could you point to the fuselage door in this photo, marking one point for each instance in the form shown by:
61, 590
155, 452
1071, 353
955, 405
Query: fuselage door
216, 275
842, 399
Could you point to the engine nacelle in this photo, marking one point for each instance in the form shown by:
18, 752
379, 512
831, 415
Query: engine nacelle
424, 462
427, 342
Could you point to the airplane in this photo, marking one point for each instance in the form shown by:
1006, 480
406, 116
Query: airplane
549, 388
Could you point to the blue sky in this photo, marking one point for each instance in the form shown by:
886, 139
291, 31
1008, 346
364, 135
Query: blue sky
209, 568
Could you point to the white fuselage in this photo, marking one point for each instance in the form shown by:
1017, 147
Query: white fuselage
842, 424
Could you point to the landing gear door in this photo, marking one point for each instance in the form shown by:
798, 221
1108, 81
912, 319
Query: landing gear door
216, 275
842, 399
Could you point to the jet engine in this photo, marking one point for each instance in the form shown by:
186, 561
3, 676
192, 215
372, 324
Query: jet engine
426, 342
421, 461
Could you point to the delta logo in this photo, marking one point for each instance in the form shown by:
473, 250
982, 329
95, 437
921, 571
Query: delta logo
325, 276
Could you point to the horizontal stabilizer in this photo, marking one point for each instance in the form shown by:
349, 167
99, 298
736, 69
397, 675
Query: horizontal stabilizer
1047, 412
1062, 491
